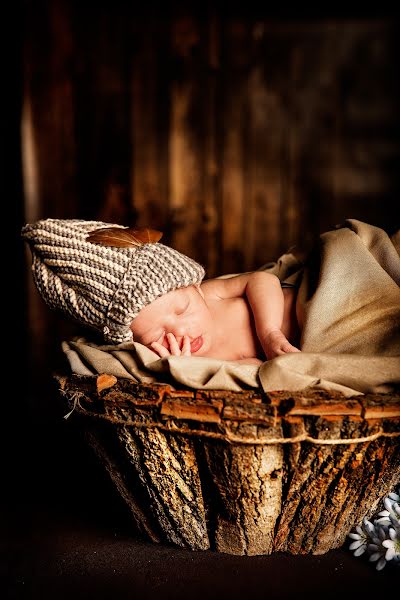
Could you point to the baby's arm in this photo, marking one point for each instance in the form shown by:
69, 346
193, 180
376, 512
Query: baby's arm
265, 296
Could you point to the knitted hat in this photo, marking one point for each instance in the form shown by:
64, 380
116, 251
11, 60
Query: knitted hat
104, 287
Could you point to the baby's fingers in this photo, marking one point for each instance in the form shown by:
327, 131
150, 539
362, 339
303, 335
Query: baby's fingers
282, 348
287, 347
160, 349
186, 346
173, 345
174, 349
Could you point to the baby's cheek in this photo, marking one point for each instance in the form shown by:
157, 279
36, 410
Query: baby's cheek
161, 339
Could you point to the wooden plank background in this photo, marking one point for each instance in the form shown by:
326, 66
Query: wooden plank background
235, 136
238, 135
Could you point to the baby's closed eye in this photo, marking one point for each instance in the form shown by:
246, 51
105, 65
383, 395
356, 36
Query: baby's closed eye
182, 309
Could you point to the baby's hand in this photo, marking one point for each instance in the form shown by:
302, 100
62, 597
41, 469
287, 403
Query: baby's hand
275, 344
173, 349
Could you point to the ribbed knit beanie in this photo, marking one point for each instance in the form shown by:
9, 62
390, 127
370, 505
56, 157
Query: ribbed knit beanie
104, 287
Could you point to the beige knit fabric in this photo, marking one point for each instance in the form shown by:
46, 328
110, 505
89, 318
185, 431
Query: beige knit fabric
100, 286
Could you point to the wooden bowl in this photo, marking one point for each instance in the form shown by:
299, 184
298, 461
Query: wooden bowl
241, 472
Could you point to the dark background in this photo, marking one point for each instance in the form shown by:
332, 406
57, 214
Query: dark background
239, 131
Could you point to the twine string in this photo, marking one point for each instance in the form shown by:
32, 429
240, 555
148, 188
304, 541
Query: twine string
232, 438
74, 400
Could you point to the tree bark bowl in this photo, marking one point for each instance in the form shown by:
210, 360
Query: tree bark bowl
241, 472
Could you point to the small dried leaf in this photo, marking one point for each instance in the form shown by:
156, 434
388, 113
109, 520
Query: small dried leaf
105, 381
124, 238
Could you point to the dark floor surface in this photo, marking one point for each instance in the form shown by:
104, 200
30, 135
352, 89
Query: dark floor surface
69, 535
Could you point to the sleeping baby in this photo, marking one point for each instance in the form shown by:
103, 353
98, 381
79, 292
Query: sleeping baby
129, 287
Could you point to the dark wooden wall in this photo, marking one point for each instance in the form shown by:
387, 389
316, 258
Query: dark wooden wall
238, 133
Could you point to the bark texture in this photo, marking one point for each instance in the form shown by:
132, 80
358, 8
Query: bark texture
241, 472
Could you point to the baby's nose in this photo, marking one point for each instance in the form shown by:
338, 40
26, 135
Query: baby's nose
178, 332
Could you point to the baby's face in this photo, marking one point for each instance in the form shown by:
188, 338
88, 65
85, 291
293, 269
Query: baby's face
181, 312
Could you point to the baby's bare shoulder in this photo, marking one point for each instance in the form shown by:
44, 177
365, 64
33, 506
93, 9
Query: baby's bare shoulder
211, 288
225, 287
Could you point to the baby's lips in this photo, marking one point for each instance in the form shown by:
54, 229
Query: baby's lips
196, 344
